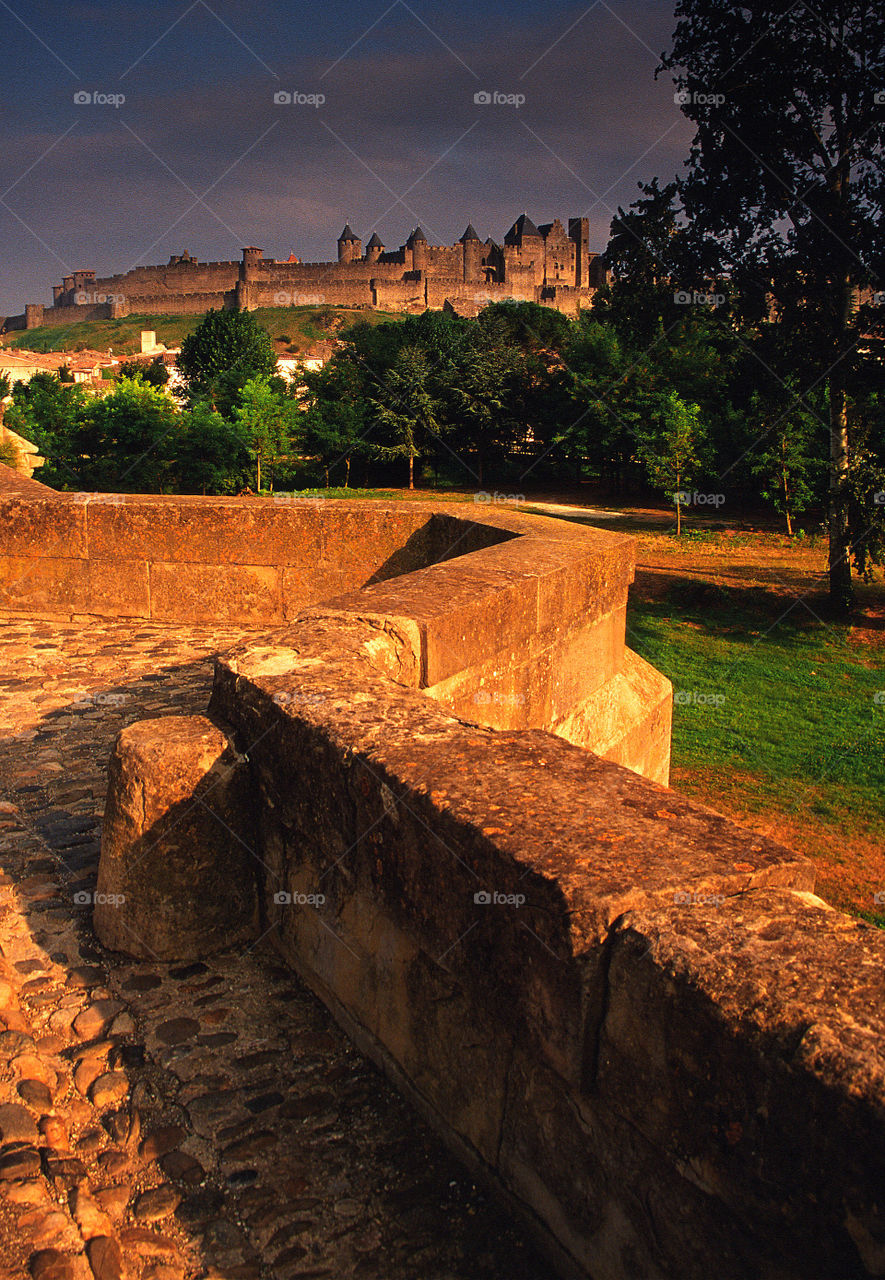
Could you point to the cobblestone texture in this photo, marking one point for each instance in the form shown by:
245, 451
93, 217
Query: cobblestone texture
203, 1120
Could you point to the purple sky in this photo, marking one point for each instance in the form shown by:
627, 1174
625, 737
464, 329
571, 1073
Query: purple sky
200, 157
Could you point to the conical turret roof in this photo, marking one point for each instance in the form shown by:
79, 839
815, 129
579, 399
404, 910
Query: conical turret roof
523, 226
469, 234
376, 242
417, 235
347, 233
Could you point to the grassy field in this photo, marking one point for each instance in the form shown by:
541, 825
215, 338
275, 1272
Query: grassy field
294, 329
779, 711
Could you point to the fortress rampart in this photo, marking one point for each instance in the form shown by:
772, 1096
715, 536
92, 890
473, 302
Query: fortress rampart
629, 1015
550, 265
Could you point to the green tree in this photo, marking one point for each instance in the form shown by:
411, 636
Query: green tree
406, 409
207, 453
671, 450
480, 404
217, 360
652, 272
333, 426
526, 325
154, 374
123, 439
605, 413
785, 181
266, 419
48, 412
786, 461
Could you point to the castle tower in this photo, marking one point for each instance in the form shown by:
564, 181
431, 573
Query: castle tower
472, 249
252, 258
523, 230
579, 231
246, 292
417, 242
374, 248
350, 247
524, 248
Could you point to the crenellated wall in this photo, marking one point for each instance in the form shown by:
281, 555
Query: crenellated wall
415, 276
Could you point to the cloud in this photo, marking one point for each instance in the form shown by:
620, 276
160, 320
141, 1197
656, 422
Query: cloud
398, 140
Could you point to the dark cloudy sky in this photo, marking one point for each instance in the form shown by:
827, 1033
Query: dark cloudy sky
199, 155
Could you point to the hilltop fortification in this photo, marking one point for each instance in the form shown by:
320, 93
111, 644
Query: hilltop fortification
549, 264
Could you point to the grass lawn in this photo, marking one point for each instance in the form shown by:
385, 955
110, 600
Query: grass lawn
779, 712
294, 330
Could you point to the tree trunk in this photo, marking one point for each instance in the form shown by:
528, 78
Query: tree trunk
258, 470
785, 479
346, 472
411, 470
841, 590
678, 508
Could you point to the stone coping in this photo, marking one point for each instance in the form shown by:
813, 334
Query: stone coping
118, 554
589, 837
670, 1053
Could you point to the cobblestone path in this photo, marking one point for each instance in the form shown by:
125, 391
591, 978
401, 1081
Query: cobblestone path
160, 1122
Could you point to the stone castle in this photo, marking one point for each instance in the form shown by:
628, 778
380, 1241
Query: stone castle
547, 264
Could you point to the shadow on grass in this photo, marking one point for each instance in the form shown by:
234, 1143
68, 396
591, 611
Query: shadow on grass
733, 611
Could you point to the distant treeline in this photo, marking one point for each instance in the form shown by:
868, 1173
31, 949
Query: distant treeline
649, 389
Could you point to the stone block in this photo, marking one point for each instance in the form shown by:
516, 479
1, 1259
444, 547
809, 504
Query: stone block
44, 584
53, 526
246, 594
177, 874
